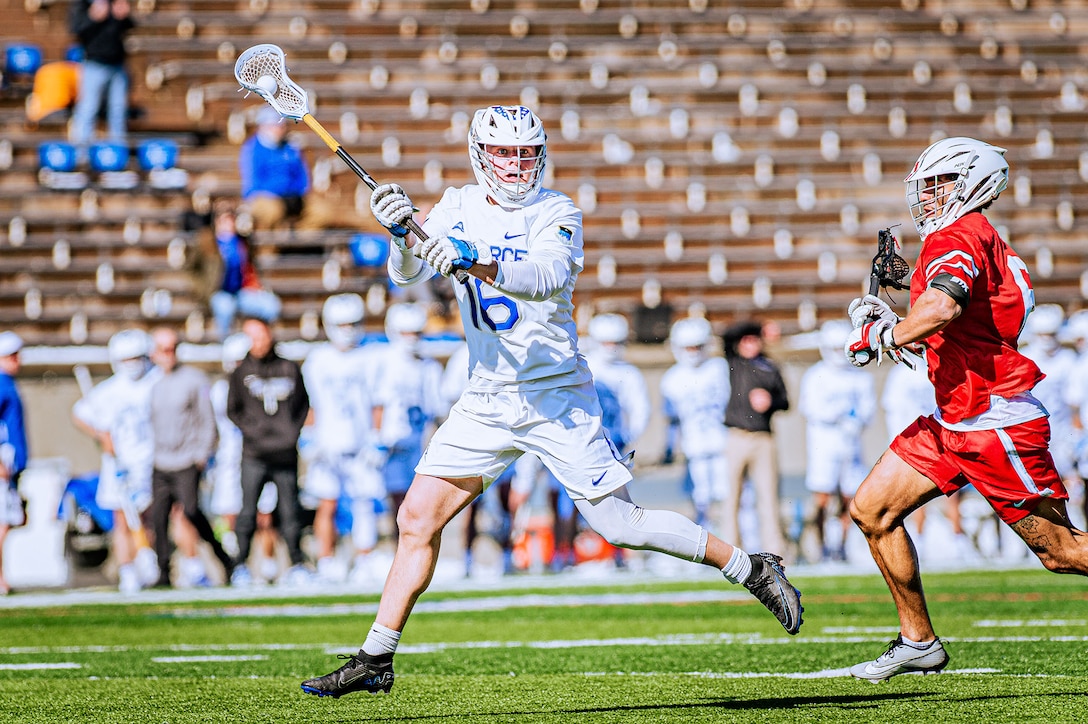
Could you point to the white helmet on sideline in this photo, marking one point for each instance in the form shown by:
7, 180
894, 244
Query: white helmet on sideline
1045, 319
404, 324
235, 349
128, 352
508, 126
341, 316
982, 174
609, 328
688, 339
833, 334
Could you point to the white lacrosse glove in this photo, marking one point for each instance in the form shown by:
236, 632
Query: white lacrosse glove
869, 342
392, 208
447, 254
867, 308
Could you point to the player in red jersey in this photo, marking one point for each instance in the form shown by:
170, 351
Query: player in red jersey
970, 296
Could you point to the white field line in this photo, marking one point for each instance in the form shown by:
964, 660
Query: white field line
41, 666
428, 648
206, 659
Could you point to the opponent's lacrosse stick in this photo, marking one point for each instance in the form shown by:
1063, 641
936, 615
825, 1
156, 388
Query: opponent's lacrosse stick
262, 70
888, 270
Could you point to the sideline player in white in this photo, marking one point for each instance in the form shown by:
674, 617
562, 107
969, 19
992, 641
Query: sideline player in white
530, 389
1075, 333
341, 409
696, 392
1059, 365
407, 399
116, 413
621, 386
837, 401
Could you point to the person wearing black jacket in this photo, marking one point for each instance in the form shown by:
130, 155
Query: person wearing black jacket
100, 27
267, 401
757, 392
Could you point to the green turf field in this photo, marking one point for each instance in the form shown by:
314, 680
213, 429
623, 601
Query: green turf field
679, 651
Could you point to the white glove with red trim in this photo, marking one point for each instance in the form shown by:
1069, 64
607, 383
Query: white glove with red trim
869, 342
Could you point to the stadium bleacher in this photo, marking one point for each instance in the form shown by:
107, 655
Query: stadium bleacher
720, 126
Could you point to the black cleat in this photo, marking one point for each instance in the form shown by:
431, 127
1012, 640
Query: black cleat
362, 672
768, 583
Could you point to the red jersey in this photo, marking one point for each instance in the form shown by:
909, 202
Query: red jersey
975, 356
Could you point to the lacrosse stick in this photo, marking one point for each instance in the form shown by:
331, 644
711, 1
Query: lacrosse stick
888, 270
262, 70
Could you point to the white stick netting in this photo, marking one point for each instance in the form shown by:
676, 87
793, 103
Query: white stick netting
267, 60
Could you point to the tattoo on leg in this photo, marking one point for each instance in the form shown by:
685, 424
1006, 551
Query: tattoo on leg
1030, 530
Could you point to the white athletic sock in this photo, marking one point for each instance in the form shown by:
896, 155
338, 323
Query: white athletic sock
381, 640
739, 567
916, 644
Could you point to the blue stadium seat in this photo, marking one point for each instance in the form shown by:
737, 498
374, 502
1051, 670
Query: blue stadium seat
57, 156
157, 154
22, 59
369, 250
106, 157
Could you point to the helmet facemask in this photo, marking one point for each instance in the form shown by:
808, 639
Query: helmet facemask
507, 152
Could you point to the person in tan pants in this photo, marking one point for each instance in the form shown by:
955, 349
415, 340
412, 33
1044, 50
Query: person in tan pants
757, 392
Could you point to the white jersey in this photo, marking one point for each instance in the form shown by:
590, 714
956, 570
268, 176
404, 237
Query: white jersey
697, 396
1076, 392
620, 385
516, 343
1060, 368
122, 407
908, 394
455, 376
408, 388
228, 455
838, 396
340, 385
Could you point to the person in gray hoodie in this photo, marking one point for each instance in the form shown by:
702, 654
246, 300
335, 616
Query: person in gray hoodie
267, 401
185, 435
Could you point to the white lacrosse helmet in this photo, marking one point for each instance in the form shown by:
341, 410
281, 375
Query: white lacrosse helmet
507, 126
404, 324
1045, 319
608, 329
128, 352
982, 174
235, 349
689, 338
341, 316
1076, 328
833, 334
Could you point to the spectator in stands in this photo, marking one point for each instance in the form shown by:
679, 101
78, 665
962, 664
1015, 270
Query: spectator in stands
116, 414
13, 447
56, 88
276, 182
757, 393
183, 427
239, 291
100, 26
267, 400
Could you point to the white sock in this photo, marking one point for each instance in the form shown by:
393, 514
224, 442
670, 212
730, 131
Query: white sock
381, 640
916, 644
739, 567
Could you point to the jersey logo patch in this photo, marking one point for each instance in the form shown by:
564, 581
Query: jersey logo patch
565, 235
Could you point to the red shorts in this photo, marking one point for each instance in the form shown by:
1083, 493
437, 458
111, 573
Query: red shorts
1011, 467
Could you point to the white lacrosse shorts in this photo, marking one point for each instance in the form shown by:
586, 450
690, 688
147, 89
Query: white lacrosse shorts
487, 431
327, 478
113, 489
11, 506
834, 462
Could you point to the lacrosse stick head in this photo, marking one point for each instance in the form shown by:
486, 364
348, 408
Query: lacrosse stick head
260, 63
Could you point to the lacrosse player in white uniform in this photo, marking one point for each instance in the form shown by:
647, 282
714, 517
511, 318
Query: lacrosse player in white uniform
1059, 365
837, 401
1075, 333
407, 399
530, 391
116, 413
695, 391
340, 464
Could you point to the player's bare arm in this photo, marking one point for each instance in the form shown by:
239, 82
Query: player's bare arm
931, 312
